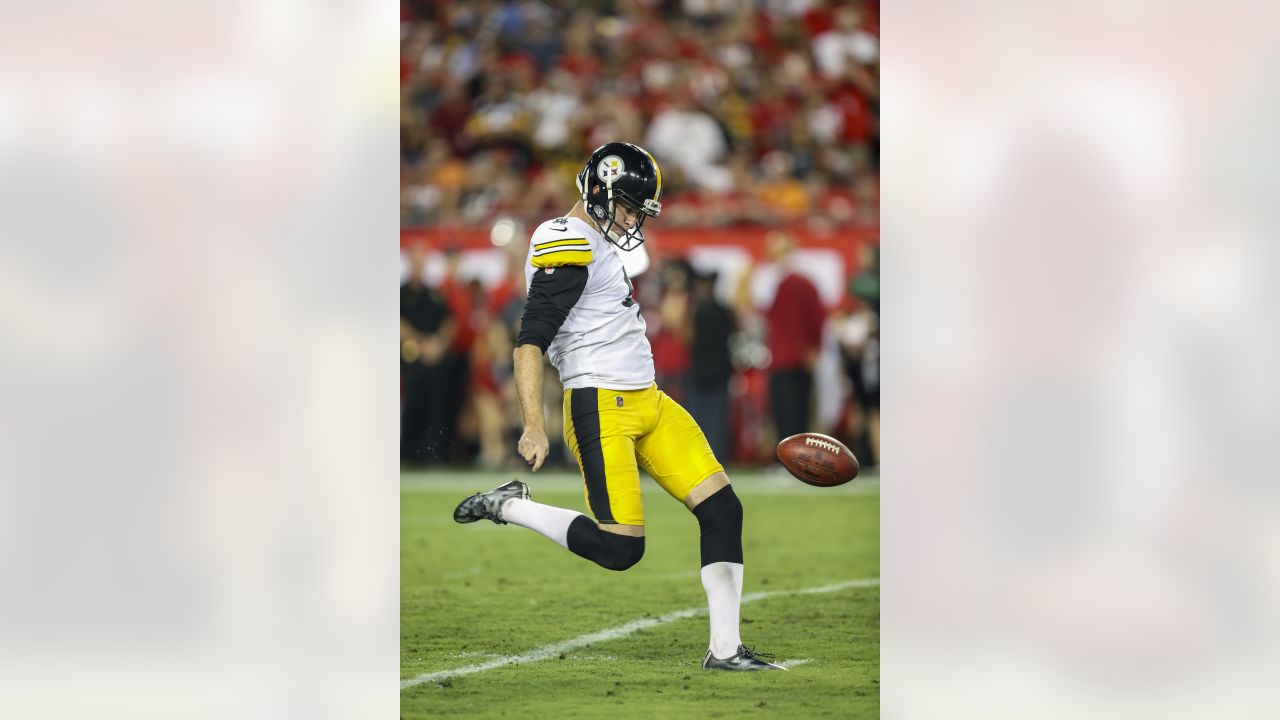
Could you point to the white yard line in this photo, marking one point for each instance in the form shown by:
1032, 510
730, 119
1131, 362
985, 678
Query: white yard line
621, 631
788, 664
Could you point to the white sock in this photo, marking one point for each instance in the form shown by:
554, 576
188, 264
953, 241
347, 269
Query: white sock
552, 522
723, 583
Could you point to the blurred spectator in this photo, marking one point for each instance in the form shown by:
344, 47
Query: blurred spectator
484, 422
866, 284
691, 142
427, 328
540, 41
470, 362
712, 367
795, 337
779, 194
771, 112
672, 336
449, 115
846, 42
858, 333
554, 107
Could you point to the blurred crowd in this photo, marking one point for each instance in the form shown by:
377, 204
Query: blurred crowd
762, 112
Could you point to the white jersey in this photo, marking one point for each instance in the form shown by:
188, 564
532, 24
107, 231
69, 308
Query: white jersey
602, 342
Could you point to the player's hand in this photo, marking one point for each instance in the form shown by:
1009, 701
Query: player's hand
533, 447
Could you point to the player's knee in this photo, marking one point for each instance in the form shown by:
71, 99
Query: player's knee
720, 523
721, 511
606, 549
622, 551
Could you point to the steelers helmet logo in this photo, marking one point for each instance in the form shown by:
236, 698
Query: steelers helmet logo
609, 169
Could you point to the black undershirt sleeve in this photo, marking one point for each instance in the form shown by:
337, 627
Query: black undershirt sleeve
551, 296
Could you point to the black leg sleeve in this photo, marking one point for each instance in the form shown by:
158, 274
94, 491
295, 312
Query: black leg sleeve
606, 549
720, 523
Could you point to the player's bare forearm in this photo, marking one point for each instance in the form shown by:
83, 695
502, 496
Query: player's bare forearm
528, 372
533, 445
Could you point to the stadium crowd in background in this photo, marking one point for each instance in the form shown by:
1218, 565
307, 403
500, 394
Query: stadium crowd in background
761, 113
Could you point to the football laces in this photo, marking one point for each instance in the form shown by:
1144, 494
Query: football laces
828, 446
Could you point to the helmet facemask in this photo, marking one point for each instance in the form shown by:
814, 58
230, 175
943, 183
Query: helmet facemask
625, 238
604, 215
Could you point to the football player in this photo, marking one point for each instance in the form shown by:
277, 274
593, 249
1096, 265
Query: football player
581, 313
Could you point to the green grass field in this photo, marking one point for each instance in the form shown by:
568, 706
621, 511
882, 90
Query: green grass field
472, 596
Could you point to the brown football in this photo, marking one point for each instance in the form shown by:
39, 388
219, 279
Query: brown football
817, 459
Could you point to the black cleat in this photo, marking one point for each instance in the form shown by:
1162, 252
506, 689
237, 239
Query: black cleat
746, 659
489, 504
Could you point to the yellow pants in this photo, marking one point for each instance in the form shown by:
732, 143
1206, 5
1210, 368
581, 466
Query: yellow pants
613, 433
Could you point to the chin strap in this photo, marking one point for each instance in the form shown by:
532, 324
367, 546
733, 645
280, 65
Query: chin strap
613, 212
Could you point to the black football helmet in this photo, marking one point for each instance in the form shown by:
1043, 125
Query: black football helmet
626, 173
